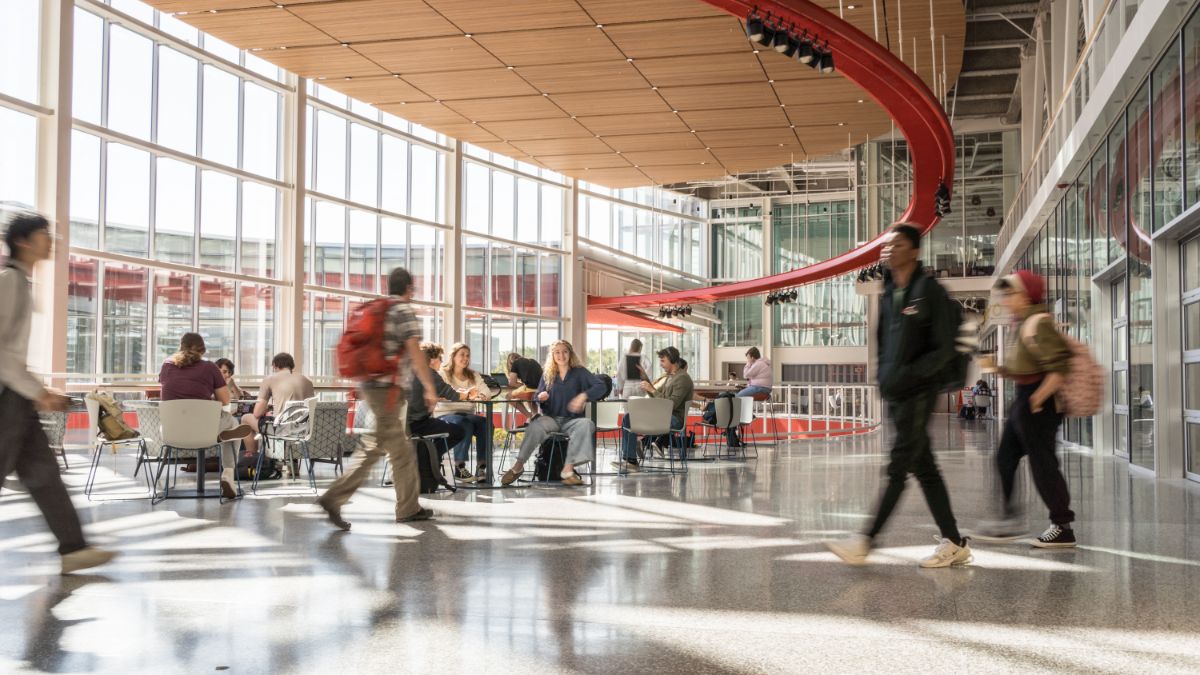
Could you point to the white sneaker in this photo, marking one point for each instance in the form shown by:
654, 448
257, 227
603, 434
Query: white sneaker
948, 554
85, 558
853, 551
627, 467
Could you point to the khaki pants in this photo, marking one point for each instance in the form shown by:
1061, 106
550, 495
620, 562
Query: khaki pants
391, 437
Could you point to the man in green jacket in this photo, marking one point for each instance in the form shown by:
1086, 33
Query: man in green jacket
916, 334
677, 387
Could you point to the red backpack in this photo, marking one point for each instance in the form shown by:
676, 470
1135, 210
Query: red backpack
360, 352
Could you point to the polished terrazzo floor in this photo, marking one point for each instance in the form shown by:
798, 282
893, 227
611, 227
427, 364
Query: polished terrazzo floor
721, 570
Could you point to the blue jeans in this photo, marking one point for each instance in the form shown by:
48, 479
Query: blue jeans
754, 390
475, 425
629, 439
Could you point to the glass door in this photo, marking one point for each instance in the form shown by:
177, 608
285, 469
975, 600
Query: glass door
1120, 368
1191, 356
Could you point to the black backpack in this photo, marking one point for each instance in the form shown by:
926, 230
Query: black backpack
247, 465
953, 376
549, 463
429, 465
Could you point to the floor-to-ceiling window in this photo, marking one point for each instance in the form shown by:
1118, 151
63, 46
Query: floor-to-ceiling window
175, 195
512, 257
655, 227
376, 201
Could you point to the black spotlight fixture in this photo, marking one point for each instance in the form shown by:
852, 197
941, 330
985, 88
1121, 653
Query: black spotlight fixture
781, 40
827, 61
815, 61
805, 54
991, 212
687, 311
756, 30
793, 294
975, 200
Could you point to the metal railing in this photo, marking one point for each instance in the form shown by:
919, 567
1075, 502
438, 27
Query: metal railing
1101, 45
815, 410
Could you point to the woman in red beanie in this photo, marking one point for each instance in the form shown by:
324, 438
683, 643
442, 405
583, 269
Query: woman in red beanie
1039, 362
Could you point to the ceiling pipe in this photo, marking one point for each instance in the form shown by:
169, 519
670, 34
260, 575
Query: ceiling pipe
898, 90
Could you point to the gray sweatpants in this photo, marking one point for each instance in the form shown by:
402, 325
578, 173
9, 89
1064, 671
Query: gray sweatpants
581, 447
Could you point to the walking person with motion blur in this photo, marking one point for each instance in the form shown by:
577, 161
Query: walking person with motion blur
632, 371
916, 336
24, 447
1040, 361
400, 348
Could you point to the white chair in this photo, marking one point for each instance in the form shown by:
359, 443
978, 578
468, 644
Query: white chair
744, 409
652, 417
93, 413
324, 440
608, 420
188, 426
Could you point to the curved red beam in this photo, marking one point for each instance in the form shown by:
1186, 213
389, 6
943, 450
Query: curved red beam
890, 83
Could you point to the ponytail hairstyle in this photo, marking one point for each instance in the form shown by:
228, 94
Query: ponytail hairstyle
191, 350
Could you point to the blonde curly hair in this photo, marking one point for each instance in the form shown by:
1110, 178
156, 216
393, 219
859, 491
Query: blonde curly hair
550, 370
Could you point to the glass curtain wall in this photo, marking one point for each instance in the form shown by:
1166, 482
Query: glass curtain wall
376, 196
737, 254
964, 242
825, 313
656, 226
189, 195
512, 256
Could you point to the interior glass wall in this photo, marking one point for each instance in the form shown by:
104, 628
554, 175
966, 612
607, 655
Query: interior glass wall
825, 313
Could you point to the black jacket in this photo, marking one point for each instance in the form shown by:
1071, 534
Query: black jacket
917, 343
417, 410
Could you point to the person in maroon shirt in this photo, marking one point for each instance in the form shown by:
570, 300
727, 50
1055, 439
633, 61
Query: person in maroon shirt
187, 376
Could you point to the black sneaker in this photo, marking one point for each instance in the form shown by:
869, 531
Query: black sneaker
1056, 536
463, 475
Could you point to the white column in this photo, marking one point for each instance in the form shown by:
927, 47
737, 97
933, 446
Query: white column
453, 278
574, 297
48, 339
289, 333
768, 313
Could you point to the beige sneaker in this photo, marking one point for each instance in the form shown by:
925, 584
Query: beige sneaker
573, 480
948, 554
510, 477
853, 550
240, 431
85, 558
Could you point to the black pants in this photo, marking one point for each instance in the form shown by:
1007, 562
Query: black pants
913, 454
436, 425
25, 449
1033, 435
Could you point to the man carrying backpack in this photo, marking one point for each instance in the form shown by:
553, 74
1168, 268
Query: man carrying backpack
916, 334
1040, 361
384, 356
23, 444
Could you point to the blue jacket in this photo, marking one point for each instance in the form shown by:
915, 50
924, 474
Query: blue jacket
577, 381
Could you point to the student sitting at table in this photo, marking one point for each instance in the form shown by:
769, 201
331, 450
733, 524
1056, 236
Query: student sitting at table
226, 368
677, 387
470, 386
524, 374
281, 387
757, 374
563, 394
187, 376
420, 421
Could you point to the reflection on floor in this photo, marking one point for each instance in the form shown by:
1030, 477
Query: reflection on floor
720, 570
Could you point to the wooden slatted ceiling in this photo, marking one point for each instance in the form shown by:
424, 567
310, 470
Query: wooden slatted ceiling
616, 92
